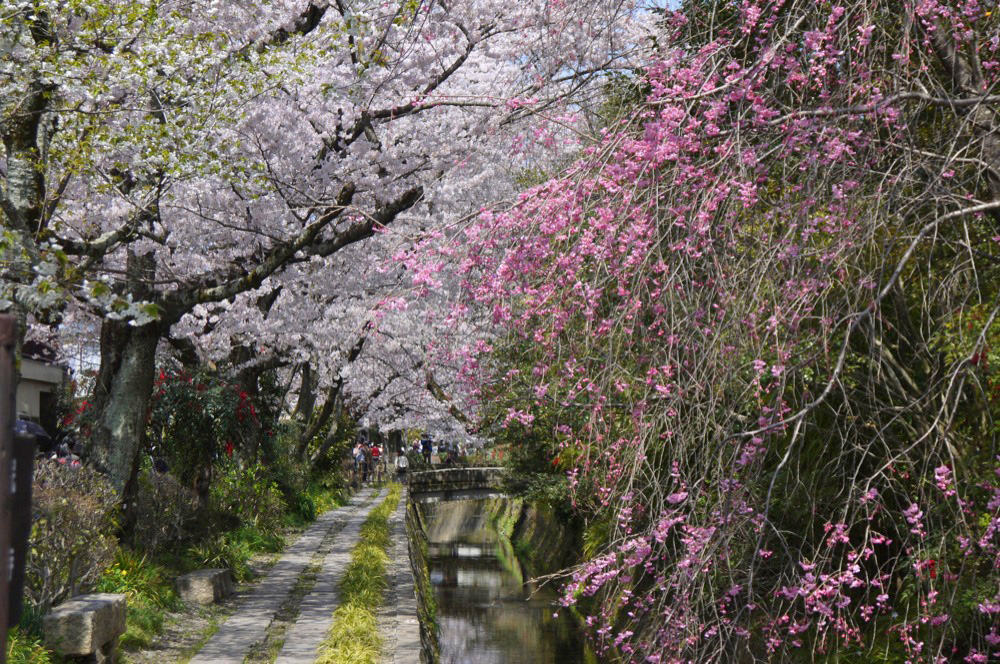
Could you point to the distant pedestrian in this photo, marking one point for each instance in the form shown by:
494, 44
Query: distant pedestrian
377, 462
357, 456
366, 462
402, 465
427, 448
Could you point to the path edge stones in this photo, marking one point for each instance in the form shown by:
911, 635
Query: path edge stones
401, 624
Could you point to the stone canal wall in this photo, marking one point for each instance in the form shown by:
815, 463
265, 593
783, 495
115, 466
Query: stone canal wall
536, 536
426, 607
542, 541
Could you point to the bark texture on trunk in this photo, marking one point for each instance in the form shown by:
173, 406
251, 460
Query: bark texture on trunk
124, 387
122, 398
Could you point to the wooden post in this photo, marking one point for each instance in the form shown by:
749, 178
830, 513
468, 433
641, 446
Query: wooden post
8, 339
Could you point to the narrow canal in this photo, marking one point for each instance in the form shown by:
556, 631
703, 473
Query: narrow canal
487, 612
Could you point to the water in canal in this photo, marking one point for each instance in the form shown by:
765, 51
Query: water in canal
486, 612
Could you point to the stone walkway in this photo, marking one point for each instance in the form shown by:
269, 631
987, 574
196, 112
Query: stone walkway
315, 618
399, 624
248, 626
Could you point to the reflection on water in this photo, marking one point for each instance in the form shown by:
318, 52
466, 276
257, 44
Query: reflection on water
486, 613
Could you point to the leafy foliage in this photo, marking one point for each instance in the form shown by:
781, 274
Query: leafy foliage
247, 497
166, 513
755, 321
25, 648
198, 420
74, 522
149, 592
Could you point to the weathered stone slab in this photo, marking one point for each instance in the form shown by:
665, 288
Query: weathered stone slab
205, 586
86, 625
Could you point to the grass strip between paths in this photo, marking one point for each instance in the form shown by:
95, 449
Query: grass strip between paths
354, 637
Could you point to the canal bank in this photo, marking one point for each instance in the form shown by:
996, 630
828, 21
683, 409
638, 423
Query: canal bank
473, 563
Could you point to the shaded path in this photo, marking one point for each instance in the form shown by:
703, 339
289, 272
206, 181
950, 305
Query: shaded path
399, 623
315, 618
248, 626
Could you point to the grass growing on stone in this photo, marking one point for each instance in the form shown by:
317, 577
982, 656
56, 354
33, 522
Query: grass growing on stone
354, 637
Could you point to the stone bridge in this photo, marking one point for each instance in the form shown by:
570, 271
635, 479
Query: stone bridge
429, 486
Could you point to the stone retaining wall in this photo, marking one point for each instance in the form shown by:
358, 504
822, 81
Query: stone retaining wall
426, 607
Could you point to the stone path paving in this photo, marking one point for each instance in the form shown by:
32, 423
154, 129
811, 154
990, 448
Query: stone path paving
315, 618
398, 621
250, 622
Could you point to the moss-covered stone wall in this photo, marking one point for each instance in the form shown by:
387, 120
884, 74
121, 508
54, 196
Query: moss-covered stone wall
541, 539
426, 605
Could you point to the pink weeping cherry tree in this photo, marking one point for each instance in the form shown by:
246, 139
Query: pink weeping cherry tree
761, 309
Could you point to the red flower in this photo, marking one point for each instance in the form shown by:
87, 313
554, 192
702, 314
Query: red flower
229, 449
932, 568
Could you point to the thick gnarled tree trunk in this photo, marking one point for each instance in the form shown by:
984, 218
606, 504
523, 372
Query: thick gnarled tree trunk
124, 387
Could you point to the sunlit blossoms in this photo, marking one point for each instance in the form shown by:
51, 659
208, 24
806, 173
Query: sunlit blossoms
731, 296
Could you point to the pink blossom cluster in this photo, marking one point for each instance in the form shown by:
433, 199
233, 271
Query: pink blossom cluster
692, 283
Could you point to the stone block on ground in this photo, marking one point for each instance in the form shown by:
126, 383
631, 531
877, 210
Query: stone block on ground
86, 625
205, 586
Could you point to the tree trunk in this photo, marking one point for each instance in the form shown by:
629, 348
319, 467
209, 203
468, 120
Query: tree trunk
307, 396
121, 398
331, 434
124, 387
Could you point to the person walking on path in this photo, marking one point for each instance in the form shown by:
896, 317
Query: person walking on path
359, 457
377, 462
366, 462
402, 465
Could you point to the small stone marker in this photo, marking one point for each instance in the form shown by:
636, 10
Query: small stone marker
205, 586
87, 626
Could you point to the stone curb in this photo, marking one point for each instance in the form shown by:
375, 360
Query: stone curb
405, 620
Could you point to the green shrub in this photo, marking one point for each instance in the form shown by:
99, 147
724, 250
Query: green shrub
234, 549
256, 541
199, 419
74, 518
221, 551
247, 497
25, 648
136, 576
150, 592
316, 497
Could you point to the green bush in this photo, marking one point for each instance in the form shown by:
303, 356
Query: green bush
315, 498
247, 497
222, 552
233, 550
74, 519
198, 420
136, 576
25, 648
